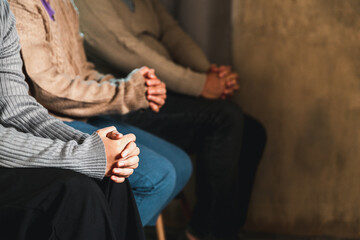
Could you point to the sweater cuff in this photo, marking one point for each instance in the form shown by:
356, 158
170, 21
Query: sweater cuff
95, 164
198, 84
136, 81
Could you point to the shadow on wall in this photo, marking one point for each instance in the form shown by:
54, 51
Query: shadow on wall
209, 24
299, 63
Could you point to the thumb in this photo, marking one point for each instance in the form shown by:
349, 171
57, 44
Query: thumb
114, 135
104, 131
151, 74
143, 70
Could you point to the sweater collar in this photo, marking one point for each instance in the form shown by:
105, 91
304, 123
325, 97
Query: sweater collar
49, 10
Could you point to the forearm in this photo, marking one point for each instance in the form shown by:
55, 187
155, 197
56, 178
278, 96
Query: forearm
177, 78
23, 150
23, 113
88, 98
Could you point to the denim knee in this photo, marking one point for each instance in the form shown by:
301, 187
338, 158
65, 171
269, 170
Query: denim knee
152, 186
183, 167
161, 175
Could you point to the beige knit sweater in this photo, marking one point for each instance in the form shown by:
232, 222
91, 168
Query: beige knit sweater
63, 80
148, 36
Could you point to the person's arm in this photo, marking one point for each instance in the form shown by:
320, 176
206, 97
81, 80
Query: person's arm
24, 150
110, 40
29, 136
82, 96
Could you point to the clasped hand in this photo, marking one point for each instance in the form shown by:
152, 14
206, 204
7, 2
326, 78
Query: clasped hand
221, 82
122, 153
156, 92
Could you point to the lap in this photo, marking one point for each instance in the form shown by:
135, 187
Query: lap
185, 120
153, 145
20, 184
150, 143
38, 202
157, 157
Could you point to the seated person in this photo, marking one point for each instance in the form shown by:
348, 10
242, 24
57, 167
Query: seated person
56, 182
69, 86
121, 35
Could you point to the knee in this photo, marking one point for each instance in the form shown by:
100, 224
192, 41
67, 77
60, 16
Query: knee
76, 184
159, 179
165, 179
261, 132
183, 166
230, 115
255, 131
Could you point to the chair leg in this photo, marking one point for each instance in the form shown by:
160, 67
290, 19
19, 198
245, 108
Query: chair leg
160, 230
185, 204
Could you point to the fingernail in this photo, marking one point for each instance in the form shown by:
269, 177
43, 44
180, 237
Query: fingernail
125, 153
118, 135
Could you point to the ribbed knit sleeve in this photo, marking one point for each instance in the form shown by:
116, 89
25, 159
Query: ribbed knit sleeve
29, 137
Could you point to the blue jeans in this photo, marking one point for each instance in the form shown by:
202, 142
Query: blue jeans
163, 171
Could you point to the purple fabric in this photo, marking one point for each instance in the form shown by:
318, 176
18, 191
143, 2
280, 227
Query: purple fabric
49, 10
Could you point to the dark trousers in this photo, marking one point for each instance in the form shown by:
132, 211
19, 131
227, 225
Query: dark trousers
228, 145
51, 203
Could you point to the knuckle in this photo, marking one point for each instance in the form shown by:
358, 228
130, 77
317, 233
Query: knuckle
134, 148
131, 136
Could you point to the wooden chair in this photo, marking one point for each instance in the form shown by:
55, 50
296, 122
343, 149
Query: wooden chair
160, 229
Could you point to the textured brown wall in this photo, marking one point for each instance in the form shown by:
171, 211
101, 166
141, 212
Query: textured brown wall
299, 62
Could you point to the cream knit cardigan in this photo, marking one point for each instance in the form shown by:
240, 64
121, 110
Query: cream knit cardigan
63, 80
